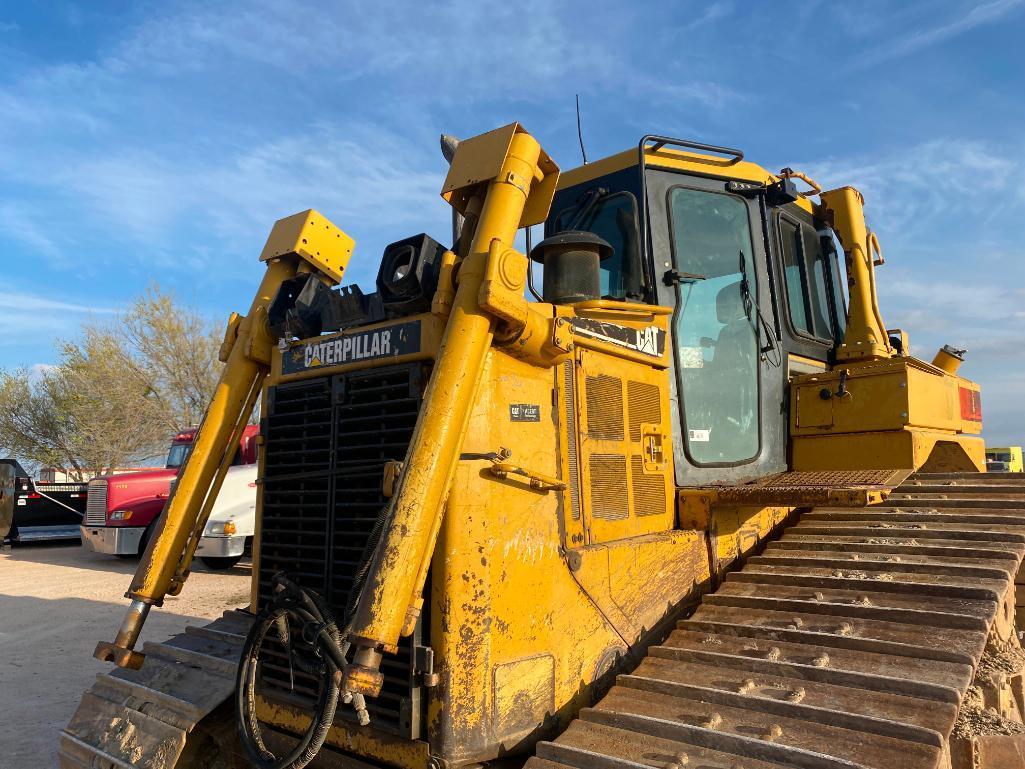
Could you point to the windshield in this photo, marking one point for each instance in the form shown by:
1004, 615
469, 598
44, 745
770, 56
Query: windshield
613, 218
178, 454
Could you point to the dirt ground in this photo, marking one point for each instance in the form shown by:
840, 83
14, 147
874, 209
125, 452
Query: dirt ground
56, 603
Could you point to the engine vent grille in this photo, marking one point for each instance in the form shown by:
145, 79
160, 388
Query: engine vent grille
571, 435
605, 408
608, 486
649, 489
327, 441
644, 406
96, 504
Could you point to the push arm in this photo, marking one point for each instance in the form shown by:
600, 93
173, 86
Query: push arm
305, 242
505, 175
865, 337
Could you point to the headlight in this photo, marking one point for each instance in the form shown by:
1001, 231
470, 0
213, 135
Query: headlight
121, 515
220, 528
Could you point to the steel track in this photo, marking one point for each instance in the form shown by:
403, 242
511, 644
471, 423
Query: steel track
850, 641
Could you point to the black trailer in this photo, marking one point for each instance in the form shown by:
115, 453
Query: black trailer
42, 511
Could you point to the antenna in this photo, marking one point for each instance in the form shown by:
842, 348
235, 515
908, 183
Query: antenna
580, 132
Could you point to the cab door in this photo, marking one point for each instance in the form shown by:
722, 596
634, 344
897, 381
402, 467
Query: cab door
708, 247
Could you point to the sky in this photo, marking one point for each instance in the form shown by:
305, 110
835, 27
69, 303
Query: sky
144, 142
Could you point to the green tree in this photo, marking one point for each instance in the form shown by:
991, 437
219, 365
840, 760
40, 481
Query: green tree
118, 391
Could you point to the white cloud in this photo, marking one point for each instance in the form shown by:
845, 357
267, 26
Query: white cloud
948, 214
38, 371
33, 303
712, 12
914, 192
915, 38
22, 223
34, 325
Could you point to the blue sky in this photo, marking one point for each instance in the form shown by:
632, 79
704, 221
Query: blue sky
159, 141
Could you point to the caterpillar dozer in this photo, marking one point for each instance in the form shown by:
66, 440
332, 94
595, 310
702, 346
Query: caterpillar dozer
690, 505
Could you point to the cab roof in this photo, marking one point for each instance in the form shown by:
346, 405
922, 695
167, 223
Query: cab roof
675, 160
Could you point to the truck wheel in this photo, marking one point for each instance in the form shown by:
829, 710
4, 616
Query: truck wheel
221, 564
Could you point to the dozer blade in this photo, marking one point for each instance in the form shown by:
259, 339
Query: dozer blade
853, 640
142, 718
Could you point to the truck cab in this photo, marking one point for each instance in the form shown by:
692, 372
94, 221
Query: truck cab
1004, 460
121, 509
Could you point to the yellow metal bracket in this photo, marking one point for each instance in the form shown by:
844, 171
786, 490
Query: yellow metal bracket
230, 337
505, 279
480, 160
258, 346
311, 236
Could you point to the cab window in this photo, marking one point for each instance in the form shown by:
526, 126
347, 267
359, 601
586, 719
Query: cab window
810, 281
178, 454
714, 328
614, 218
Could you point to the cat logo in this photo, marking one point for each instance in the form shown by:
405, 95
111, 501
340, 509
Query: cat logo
647, 340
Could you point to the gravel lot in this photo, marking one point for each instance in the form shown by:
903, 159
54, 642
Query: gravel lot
56, 603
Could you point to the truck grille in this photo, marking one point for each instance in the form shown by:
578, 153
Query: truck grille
96, 504
327, 441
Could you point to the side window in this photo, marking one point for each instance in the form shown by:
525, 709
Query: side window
836, 259
809, 280
614, 218
789, 234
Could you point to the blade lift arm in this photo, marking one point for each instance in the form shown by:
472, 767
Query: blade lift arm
866, 337
499, 181
303, 243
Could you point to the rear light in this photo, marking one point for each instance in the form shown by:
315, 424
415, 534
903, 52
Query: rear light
121, 515
971, 404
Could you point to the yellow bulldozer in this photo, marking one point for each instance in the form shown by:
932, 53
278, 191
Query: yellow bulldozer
689, 505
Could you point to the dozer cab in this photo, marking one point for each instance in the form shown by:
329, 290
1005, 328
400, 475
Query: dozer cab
693, 505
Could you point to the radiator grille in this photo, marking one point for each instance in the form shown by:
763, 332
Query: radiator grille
327, 441
608, 486
605, 408
649, 489
96, 504
644, 407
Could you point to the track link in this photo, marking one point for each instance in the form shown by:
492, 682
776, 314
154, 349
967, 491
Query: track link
141, 718
851, 641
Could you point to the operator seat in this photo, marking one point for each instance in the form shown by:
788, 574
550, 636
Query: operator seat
733, 348
734, 364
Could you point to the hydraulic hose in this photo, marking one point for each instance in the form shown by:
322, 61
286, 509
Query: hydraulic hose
303, 609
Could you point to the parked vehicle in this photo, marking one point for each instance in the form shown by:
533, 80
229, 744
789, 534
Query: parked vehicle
1004, 460
229, 530
43, 511
7, 481
121, 509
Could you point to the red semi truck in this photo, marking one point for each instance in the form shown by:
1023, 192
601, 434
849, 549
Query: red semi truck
121, 510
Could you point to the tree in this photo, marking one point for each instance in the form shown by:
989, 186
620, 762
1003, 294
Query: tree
118, 391
33, 425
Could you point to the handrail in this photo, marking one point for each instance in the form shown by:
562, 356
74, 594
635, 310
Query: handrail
661, 141
616, 306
